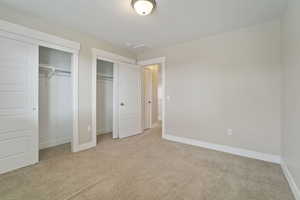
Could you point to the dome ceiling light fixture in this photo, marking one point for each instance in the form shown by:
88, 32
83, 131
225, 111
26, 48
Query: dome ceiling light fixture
143, 7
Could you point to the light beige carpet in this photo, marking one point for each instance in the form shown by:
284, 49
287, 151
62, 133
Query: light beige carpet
144, 167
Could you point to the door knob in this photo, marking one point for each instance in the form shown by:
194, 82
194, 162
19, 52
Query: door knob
149, 102
122, 104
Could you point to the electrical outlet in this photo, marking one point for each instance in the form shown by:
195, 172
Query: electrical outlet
229, 132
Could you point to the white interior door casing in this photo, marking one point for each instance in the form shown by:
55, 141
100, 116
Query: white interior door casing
116, 104
129, 100
147, 97
18, 104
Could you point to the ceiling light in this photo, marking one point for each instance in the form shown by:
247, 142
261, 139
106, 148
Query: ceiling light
143, 7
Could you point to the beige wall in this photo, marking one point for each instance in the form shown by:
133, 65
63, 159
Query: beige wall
227, 81
85, 59
291, 103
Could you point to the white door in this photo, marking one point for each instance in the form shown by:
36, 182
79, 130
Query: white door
129, 100
18, 104
148, 97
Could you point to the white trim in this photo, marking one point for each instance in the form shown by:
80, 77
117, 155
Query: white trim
36, 104
75, 86
162, 62
224, 148
115, 132
111, 57
38, 37
152, 61
94, 101
18, 37
290, 179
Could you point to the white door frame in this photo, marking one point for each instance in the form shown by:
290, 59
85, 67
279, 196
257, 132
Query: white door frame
162, 62
115, 59
21, 33
144, 104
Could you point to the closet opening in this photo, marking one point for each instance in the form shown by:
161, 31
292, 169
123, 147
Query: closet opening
116, 97
55, 101
105, 100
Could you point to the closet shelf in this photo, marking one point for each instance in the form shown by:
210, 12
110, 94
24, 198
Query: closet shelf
105, 75
53, 70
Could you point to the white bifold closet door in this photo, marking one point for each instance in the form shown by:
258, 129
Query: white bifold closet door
18, 114
129, 100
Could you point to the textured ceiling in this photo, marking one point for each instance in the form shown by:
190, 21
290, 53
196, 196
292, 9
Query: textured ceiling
173, 21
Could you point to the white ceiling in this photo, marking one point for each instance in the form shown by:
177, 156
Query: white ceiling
173, 21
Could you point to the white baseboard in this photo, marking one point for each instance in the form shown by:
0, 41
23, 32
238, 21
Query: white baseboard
85, 146
291, 181
224, 148
53, 143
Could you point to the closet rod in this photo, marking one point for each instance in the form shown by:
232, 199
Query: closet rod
54, 69
104, 75
63, 70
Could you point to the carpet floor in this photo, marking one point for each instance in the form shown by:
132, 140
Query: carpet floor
144, 167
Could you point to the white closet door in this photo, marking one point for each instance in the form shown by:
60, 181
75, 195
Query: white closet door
18, 98
129, 100
148, 97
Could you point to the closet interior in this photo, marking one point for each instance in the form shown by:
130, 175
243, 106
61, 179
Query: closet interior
104, 105
55, 97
